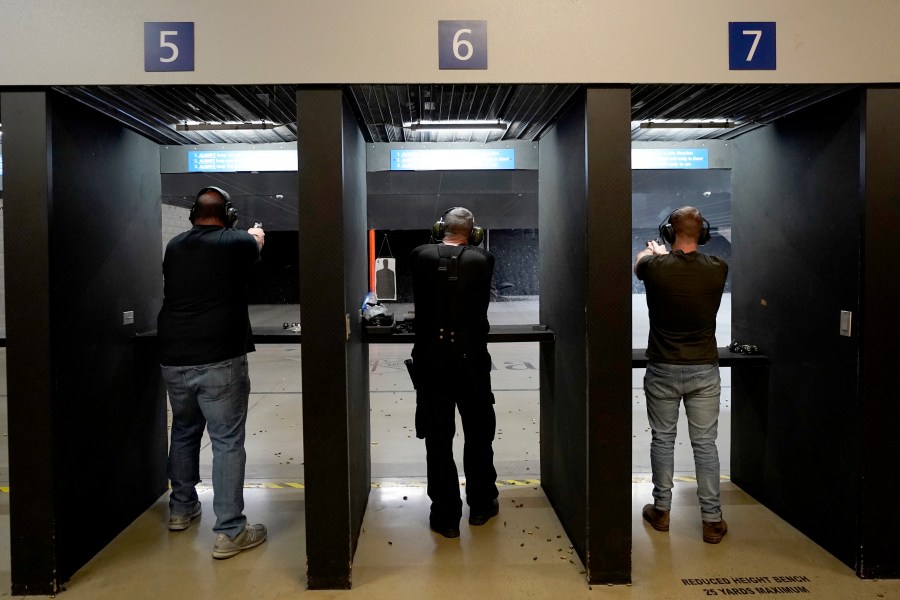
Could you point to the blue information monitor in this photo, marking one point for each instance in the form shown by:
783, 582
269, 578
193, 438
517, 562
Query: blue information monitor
670, 158
449, 160
233, 161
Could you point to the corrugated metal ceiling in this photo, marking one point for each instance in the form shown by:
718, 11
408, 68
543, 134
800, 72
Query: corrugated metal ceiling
386, 112
157, 111
744, 107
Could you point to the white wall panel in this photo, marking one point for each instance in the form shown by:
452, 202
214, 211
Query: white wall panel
53, 42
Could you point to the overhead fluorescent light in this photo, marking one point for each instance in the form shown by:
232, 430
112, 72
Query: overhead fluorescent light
458, 125
233, 126
687, 124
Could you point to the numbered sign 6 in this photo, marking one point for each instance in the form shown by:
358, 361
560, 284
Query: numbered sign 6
462, 44
751, 46
168, 46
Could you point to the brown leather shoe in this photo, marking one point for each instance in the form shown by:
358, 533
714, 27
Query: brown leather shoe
714, 531
658, 519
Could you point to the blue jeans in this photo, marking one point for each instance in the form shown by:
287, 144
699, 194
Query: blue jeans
214, 396
700, 386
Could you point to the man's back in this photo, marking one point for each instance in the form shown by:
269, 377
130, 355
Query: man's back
438, 300
204, 315
452, 370
684, 292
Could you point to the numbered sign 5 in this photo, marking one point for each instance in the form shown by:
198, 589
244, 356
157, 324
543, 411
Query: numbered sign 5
168, 46
462, 44
751, 46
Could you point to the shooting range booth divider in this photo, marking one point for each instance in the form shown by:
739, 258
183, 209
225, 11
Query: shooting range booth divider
584, 212
86, 407
815, 220
585, 301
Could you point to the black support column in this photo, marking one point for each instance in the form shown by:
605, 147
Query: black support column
333, 282
609, 335
32, 455
585, 224
87, 425
878, 327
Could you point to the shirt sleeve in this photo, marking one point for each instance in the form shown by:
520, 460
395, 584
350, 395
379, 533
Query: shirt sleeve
640, 268
249, 247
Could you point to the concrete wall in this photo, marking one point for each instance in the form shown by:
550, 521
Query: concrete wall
174, 221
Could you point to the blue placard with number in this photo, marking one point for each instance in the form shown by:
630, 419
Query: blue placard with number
462, 44
751, 46
168, 46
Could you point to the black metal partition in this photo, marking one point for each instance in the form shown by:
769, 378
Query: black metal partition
334, 280
816, 214
585, 224
87, 428
796, 187
878, 327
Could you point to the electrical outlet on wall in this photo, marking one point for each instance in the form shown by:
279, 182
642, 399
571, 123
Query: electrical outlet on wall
128, 317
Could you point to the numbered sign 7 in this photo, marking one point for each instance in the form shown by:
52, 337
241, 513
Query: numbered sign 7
751, 46
168, 46
462, 44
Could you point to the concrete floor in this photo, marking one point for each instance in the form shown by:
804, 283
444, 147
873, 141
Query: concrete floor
524, 553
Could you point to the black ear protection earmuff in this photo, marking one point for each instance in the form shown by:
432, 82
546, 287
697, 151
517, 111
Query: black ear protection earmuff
438, 230
229, 212
667, 230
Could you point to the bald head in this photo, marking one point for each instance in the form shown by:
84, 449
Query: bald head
209, 208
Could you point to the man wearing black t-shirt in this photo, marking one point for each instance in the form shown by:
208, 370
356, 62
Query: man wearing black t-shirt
452, 290
684, 290
204, 336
